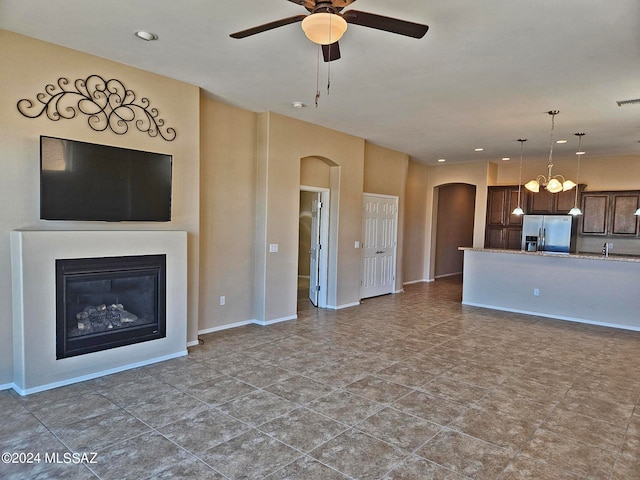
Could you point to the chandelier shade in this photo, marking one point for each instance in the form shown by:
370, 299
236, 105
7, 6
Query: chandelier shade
324, 28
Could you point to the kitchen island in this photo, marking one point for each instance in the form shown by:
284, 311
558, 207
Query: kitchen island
586, 288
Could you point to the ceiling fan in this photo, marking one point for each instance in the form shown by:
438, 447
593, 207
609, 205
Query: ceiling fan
325, 24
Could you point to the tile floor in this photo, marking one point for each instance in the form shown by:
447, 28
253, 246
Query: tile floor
407, 386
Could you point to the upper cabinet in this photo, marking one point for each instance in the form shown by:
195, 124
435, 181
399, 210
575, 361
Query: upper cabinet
595, 207
503, 229
623, 208
610, 213
545, 203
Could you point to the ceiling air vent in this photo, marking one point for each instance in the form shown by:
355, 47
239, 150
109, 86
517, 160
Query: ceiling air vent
627, 102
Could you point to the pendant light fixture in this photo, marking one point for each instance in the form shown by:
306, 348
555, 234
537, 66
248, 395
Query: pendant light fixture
518, 210
552, 183
576, 210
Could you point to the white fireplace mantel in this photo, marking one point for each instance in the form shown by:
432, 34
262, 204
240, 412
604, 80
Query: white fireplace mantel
33, 256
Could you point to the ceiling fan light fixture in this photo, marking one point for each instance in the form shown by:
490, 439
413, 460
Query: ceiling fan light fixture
324, 28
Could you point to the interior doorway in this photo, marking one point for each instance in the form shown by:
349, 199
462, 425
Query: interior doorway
456, 206
313, 247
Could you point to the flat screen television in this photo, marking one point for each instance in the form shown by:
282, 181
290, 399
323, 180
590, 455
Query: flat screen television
86, 181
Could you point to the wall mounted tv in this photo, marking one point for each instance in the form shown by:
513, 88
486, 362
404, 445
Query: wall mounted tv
85, 181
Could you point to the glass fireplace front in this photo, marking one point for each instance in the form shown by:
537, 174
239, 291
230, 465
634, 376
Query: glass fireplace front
109, 302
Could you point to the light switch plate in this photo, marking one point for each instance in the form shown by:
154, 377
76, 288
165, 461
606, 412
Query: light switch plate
273, 248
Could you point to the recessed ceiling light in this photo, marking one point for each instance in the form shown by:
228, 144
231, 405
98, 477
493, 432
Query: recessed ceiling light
148, 36
580, 153
478, 149
297, 104
561, 141
441, 160
506, 158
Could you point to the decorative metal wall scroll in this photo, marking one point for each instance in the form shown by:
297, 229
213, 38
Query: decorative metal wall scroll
107, 103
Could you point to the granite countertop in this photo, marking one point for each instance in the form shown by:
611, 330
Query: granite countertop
583, 255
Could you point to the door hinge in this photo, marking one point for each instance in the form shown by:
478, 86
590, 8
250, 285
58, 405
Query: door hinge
319, 205
318, 288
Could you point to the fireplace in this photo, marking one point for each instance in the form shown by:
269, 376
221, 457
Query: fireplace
109, 302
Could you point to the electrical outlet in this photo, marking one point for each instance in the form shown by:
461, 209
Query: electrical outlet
610, 245
222, 300
536, 292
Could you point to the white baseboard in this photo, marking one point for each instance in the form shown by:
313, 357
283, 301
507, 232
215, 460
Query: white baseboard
422, 280
340, 307
449, 275
555, 317
225, 327
83, 378
253, 321
7, 386
264, 323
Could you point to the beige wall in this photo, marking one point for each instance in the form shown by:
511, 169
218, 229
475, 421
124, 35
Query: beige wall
473, 174
314, 172
227, 214
385, 173
598, 173
415, 225
27, 66
283, 142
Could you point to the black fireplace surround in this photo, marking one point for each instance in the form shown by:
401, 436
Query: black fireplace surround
109, 302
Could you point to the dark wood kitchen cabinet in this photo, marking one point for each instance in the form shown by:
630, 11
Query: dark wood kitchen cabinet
595, 207
503, 230
623, 206
546, 203
610, 213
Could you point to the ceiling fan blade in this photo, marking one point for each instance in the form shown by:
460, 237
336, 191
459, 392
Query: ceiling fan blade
331, 52
267, 26
311, 4
308, 4
388, 24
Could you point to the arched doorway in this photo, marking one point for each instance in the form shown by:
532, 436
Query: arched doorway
318, 232
454, 224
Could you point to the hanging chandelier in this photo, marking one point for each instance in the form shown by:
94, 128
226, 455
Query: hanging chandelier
576, 210
552, 183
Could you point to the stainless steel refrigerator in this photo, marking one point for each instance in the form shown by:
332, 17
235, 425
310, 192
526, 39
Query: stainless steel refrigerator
547, 233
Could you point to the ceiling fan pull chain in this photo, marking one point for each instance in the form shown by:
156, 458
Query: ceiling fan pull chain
318, 76
328, 76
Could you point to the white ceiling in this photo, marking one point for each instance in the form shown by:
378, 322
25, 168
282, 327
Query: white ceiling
483, 76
